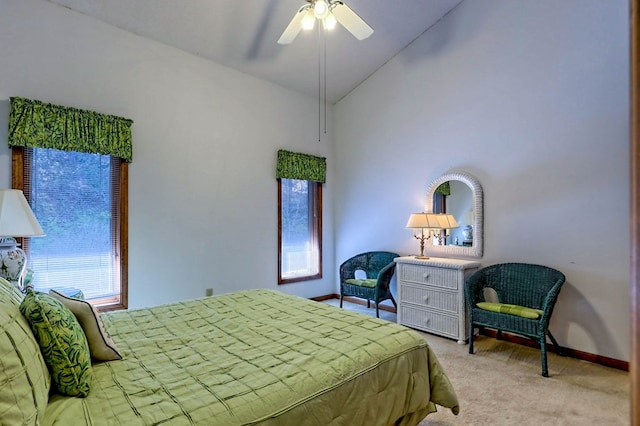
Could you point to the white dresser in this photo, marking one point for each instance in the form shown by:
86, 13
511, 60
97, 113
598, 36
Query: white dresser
431, 294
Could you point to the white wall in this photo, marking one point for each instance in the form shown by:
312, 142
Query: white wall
202, 194
531, 97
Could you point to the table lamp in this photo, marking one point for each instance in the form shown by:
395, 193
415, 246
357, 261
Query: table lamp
430, 221
419, 222
16, 220
447, 221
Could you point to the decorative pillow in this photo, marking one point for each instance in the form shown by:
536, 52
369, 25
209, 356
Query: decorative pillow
363, 283
71, 292
62, 342
505, 308
101, 345
24, 378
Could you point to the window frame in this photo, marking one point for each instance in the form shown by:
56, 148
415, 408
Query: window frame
315, 199
107, 304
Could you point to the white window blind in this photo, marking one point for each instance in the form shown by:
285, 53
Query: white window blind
75, 197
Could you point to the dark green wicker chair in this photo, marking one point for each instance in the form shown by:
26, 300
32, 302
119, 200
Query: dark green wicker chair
535, 287
378, 267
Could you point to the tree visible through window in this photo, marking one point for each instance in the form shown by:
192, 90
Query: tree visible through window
78, 200
300, 230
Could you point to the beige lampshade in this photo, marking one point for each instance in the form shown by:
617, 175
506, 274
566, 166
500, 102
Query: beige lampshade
16, 217
432, 221
423, 221
446, 221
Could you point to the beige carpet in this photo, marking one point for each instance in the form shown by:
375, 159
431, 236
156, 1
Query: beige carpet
501, 385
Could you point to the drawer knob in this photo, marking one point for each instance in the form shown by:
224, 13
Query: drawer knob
426, 299
426, 276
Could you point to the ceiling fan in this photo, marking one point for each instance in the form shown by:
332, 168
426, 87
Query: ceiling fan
329, 12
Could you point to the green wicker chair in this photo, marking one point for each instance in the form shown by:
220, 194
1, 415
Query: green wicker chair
378, 267
533, 289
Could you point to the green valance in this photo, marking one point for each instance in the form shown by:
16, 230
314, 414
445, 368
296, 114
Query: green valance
36, 124
444, 189
293, 165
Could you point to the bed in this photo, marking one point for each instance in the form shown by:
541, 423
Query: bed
246, 358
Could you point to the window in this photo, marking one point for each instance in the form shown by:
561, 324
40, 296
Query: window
300, 230
300, 178
72, 166
81, 204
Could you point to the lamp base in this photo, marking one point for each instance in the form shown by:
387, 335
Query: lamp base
13, 261
421, 257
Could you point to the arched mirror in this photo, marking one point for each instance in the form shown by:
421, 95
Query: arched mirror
459, 194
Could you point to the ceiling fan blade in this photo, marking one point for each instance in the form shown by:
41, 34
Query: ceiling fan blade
351, 21
291, 32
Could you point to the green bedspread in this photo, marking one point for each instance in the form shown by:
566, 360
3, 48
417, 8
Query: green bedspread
258, 357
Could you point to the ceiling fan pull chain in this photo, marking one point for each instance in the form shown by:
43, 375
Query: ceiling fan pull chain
329, 12
319, 86
324, 42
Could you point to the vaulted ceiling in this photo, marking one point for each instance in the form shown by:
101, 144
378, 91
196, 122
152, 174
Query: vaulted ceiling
243, 34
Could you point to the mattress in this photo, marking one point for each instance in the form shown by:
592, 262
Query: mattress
258, 357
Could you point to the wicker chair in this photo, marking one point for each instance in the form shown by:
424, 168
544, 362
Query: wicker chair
534, 287
378, 267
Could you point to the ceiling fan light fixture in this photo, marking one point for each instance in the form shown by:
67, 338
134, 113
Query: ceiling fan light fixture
308, 20
321, 9
329, 22
331, 13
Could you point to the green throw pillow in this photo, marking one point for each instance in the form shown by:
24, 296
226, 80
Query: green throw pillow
505, 308
62, 342
363, 283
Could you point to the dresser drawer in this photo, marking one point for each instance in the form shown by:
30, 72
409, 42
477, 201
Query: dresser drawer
445, 325
429, 297
433, 276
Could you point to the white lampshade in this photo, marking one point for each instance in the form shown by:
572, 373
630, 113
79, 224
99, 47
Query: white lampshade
308, 20
329, 22
16, 217
321, 9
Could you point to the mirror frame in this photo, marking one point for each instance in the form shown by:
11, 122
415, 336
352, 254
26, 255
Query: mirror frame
476, 192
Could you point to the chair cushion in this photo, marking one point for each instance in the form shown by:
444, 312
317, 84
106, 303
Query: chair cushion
24, 378
62, 342
505, 308
363, 283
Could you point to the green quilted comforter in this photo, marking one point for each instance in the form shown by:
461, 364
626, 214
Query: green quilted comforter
258, 357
